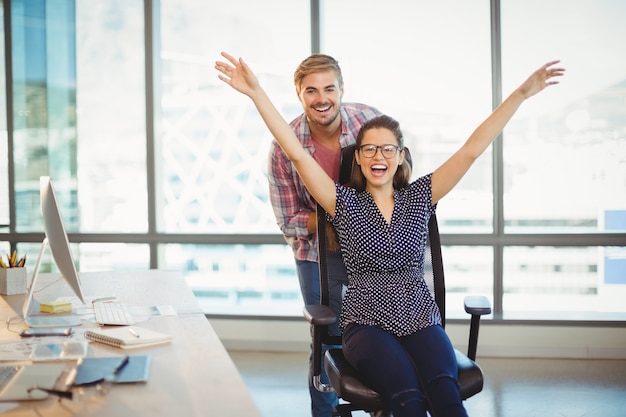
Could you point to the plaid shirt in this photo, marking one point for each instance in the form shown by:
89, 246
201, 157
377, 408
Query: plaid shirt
290, 199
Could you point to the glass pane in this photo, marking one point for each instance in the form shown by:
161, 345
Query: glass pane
90, 257
239, 279
111, 118
5, 248
249, 279
72, 62
4, 145
213, 146
44, 111
468, 271
564, 283
431, 70
565, 151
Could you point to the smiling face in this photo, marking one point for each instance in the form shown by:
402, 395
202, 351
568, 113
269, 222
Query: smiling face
320, 94
379, 170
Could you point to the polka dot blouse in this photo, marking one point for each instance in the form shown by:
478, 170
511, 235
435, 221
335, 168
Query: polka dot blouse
385, 261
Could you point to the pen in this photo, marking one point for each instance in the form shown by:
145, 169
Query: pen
133, 332
121, 366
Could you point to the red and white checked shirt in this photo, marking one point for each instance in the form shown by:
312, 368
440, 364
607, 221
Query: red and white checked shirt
290, 199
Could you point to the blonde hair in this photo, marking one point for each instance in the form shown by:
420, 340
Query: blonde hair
317, 63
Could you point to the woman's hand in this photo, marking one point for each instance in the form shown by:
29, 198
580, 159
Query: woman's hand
450, 172
238, 75
540, 79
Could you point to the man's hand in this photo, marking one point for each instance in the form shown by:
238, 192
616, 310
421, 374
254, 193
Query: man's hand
311, 224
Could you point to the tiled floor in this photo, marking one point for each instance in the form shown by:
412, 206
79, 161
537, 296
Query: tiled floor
513, 387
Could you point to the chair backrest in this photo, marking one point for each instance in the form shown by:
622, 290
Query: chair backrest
433, 265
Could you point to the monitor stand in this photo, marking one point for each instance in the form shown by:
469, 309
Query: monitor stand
44, 320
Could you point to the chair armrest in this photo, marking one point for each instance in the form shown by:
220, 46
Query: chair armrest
319, 315
477, 305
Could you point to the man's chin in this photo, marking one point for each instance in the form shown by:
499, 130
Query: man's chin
323, 121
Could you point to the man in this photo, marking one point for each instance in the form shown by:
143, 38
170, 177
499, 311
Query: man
326, 126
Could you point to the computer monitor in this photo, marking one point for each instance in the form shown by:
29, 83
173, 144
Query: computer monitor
56, 239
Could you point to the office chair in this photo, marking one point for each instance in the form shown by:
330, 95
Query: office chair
353, 393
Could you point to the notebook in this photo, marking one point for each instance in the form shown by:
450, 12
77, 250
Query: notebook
16, 380
127, 337
95, 369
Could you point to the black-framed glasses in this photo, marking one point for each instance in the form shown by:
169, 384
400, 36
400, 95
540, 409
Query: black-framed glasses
388, 151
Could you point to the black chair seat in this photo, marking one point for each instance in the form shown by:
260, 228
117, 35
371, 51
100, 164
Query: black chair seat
348, 383
470, 375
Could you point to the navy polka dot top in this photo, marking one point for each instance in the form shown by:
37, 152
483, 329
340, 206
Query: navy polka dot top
385, 261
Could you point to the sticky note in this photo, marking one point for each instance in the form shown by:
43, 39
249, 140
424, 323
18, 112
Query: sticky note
56, 307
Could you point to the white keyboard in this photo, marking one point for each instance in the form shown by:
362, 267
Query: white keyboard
112, 313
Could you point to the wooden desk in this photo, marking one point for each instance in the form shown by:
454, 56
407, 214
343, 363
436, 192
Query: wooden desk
191, 376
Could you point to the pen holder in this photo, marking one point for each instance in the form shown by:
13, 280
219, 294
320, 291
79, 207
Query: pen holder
12, 281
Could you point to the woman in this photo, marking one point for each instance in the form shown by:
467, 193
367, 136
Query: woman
392, 329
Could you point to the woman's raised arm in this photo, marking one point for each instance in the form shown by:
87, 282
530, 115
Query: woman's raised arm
239, 76
450, 173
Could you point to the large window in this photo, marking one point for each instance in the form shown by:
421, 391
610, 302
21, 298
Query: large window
213, 149
565, 155
43, 106
158, 164
4, 142
111, 117
564, 160
429, 69
212, 146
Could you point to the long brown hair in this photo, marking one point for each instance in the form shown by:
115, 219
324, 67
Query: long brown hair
357, 180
